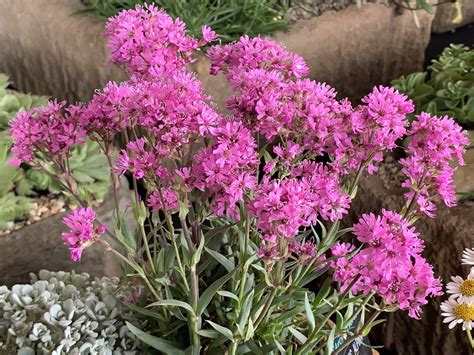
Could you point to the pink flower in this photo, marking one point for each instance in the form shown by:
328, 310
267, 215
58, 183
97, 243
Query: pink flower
169, 196
253, 53
208, 35
110, 110
82, 232
434, 143
390, 265
149, 42
227, 168
50, 130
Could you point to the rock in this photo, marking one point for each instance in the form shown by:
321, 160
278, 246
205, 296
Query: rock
464, 176
47, 50
445, 237
446, 13
357, 48
38, 246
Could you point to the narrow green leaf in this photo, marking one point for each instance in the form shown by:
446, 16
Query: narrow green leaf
298, 335
330, 342
309, 313
223, 330
174, 303
228, 295
246, 308
145, 312
209, 333
162, 345
250, 330
207, 295
221, 259
369, 328
323, 292
197, 255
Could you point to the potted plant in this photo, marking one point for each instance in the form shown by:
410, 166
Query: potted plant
243, 211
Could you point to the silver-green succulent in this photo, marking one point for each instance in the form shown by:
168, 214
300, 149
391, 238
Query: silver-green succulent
66, 313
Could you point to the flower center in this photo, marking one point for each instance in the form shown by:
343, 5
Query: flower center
464, 312
467, 288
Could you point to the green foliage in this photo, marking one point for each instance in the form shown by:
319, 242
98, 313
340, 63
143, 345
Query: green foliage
66, 313
229, 18
89, 167
12, 208
11, 102
447, 88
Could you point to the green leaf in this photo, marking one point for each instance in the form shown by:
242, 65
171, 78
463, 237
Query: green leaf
298, 335
223, 330
225, 262
246, 308
323, 292
228, 295
197, 255
373, 324
209, 333
250, 330
174, 303
207, 295
309, 313
162, 345
145, 312
330, 342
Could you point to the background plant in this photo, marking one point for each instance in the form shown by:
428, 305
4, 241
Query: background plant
243, 211
446, 88
19, 184
66, 313
229, 18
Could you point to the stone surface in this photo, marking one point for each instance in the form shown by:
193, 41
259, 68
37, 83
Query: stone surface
445, 237
445, 14
357, 48
39, 246
464, 176
46, 50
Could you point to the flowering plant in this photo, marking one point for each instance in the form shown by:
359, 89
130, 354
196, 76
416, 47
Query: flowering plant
239, 245
459, 308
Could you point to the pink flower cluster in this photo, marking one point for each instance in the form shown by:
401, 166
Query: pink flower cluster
435, 142
283, 206
376, 126
227, 168
110, 110
149, 42
82, 231
255, 53
272, 98
390, 265
51, 130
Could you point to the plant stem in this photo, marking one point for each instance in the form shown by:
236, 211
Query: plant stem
469, 336
108, 247
308, 342
147, 248
193, 320
268, 303
233, 348
358, 333
114, 181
